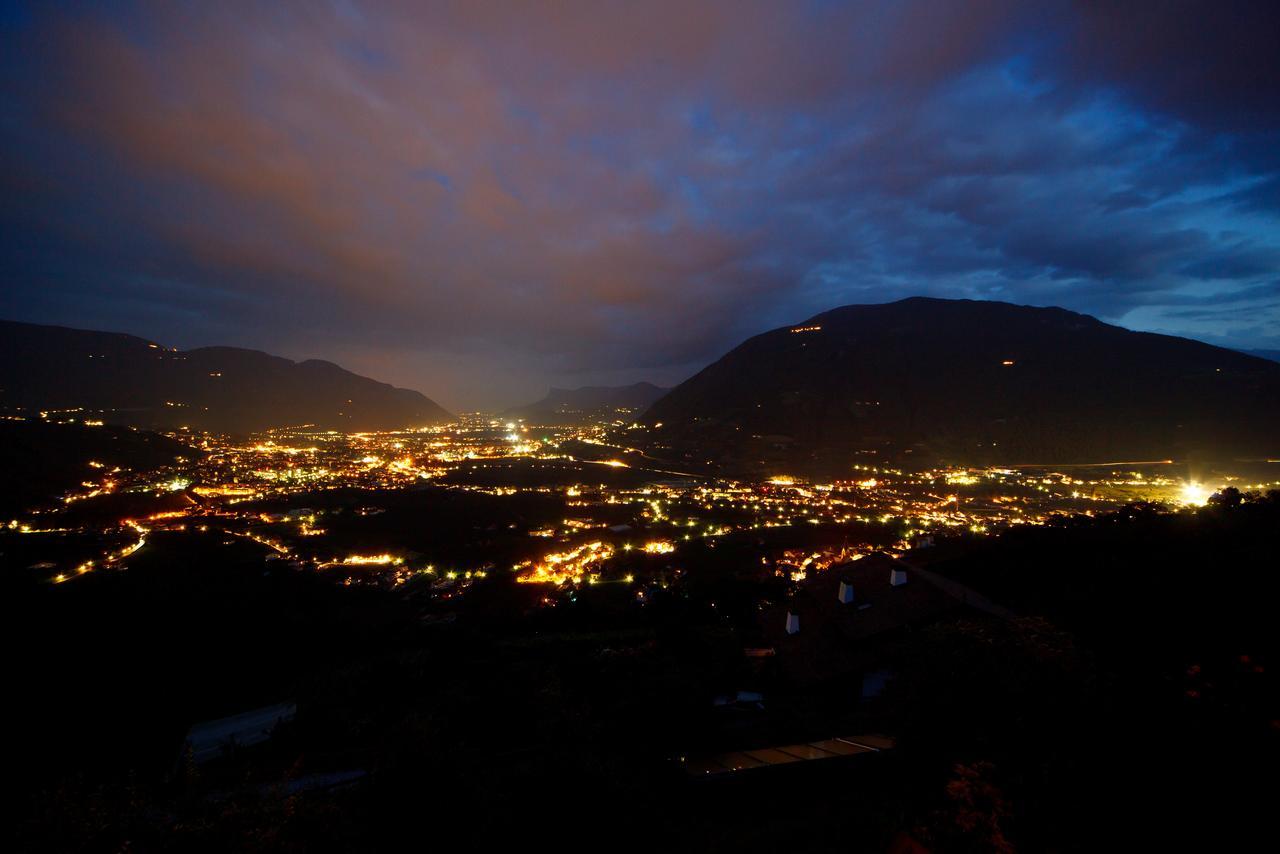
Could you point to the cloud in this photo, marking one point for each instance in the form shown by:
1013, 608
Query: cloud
1212, 64
479, 199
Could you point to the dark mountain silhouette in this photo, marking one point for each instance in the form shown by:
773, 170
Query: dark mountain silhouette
968, 382
133, 381
1270, 355
574, 405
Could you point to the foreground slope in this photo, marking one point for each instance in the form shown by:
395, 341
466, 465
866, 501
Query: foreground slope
969, 382
133, 381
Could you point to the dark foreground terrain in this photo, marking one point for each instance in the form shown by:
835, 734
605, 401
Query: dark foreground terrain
1130, 700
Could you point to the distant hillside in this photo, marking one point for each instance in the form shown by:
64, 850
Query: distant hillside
572, 406
41, 461
1270, 355
968, 381
133, 381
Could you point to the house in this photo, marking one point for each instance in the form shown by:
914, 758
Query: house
842, 624
210, 739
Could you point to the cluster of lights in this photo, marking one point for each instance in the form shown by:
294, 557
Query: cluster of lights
562, 567
368, 560
284, 463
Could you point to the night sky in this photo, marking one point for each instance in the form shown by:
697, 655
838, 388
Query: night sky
484, 199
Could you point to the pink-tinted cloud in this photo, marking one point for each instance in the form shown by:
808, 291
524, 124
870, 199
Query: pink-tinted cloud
476, 198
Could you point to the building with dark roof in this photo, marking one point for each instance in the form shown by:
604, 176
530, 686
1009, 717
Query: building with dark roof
843, 623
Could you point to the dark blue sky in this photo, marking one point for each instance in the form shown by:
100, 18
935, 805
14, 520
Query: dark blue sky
483, 199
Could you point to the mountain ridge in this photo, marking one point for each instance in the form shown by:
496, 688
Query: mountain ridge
572, 405
967, 381
135, 381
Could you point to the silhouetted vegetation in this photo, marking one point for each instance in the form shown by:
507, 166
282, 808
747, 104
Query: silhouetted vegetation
1139, 686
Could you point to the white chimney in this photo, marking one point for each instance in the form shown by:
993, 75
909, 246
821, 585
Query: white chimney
897, 577
793, 623
846, 592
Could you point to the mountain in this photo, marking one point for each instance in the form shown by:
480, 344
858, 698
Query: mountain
129, 380
967, 382
575, 405
1269, 355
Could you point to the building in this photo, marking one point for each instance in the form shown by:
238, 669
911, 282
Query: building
844, 623
210, 739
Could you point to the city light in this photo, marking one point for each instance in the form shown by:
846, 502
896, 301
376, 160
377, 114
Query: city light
1195, 494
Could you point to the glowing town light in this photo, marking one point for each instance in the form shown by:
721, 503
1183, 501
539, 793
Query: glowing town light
1195, 494
782, 480
370, 560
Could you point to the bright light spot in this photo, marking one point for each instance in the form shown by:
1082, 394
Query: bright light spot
1195, 494
366, 560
